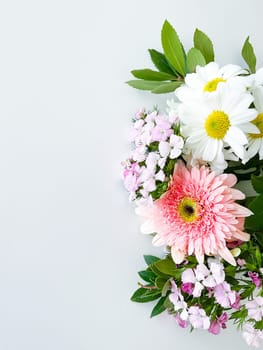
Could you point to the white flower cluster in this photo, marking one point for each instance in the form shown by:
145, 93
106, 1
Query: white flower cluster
220, 112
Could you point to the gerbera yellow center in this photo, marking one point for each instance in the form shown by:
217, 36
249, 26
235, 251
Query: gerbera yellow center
259, 124
188, 209
212, 84
217, 124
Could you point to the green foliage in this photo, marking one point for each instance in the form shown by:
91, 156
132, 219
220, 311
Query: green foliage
144, 84
160, 62
204, 45
194, 58
259, 325
148, 74
145, 294
173, 49
254, 223
249, 55
257, 183
159, 307
150, 259
167, 87
147, 276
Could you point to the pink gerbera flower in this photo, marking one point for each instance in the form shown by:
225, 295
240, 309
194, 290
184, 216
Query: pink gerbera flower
197, 215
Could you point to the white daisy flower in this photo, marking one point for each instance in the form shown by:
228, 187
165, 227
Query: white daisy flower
255, 141
207, 79
217, 121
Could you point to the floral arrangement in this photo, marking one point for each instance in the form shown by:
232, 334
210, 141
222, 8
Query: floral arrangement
185, 174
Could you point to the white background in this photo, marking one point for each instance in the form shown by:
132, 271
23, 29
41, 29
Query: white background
70, 245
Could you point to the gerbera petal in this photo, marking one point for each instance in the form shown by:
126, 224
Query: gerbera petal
226, 255
177, 255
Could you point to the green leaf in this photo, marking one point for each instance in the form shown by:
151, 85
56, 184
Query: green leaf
258, 255
160, 61
204, 45
150, 259
166, 288
173, 48
257, 183
149, 74
168, 267
259, 238
144, 295
166, 87
259, 325
147, 276
257, 205
195, 58
159, 307
143, 84
249, 55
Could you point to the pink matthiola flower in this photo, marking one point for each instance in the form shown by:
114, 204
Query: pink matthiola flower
255, 308
224, 295
187, 288
162, 129
218, 323
255, 278
202, 277
178, 302
197, 215
241, 262
181, 323
131, 177
236, 305
140, 113
173, 148
198, 318
251, 335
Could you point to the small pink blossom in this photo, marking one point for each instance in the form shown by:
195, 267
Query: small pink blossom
181, 323
131, 175
202, 277
178, 302
140, 113
218, 323
251, 335
255, 308
241, 262
187, 288
198, 318
224, 295
236, 305
162, 130
255, 278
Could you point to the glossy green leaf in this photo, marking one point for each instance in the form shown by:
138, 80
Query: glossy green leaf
195, 58
166, 87
143, 84
257, 183
150, 259
249, 55
144, 295
159, 307
160, 62
148, 74
168, 267
173, 48
204, 45
147, 276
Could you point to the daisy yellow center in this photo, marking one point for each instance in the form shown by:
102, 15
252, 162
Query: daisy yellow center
217, 124
188, 209
259, 124
212, 84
